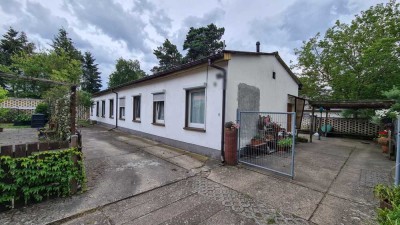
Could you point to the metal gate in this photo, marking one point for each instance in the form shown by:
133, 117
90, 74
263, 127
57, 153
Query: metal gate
266, 140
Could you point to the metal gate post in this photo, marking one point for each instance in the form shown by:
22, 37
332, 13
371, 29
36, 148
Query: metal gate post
238, 134
293, 142
397, 168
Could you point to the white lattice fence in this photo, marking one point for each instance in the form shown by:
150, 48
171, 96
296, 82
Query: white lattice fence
27, 105
361, 127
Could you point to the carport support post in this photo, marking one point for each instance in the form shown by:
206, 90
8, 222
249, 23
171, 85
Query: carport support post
397, 168
73, 109
312, 124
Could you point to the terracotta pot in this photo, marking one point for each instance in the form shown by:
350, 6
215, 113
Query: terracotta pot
385, 148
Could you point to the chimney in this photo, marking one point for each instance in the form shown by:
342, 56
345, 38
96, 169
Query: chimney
257, 46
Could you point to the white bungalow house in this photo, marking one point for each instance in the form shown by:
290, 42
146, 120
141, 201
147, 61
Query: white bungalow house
182, 107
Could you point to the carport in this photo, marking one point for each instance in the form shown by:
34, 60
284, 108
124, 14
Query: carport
346, 104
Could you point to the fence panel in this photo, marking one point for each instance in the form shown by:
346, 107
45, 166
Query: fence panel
266, 140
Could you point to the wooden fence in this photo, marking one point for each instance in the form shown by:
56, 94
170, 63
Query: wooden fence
345, 126
24, 150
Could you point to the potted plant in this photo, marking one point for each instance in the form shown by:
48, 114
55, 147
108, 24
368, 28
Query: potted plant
383, 140
285, 144
257, 139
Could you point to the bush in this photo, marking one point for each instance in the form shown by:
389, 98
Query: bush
40, 175
43, 108
7, 115
22, 118
391, 195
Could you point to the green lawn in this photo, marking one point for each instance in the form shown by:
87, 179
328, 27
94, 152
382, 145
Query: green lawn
11, 125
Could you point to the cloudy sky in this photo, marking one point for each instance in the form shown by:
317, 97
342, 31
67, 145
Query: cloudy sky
133, 28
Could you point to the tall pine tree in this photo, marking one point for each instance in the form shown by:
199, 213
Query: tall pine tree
91, 81
168, 56
202, 42
62, 42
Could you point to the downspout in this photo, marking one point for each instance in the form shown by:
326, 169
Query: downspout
116, 108
223, 76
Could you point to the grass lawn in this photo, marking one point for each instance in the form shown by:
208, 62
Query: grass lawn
11, 125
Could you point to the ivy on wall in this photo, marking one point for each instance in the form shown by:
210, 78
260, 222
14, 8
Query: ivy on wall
40, 176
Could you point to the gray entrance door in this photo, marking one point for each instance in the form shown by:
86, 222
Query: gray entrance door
266, 140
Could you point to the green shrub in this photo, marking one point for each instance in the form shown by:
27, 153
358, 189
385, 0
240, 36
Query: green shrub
23, 117
390, 194
43, 108
40, 175
7, 115
286, 142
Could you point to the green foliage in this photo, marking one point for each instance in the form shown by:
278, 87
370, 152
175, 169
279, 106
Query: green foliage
202, 42
390, 194
3, 94
84, 99
40, 175
168, 56
22, 117
43, 108
394, 94
125, 71
358, 60
62, 44
91, 81
286, 142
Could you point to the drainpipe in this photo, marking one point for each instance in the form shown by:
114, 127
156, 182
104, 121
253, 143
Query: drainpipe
223, 77
116, 108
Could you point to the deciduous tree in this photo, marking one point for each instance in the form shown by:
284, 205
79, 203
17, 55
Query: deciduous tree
125, 71
359, 60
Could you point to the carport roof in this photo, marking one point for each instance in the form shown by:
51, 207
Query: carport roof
353, 104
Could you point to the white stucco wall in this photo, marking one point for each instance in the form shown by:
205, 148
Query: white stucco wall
175, 98
256, 70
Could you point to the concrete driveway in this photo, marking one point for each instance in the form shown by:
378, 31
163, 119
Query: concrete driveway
137, 181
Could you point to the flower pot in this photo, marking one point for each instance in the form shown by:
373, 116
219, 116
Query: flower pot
385, 148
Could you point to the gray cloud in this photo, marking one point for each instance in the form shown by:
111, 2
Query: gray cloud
112, 20
161, 22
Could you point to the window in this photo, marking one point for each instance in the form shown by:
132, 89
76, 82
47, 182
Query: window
97, 108
195, 108
158, 108
111, 108
136, 108
122, 108
91, 110
103, 108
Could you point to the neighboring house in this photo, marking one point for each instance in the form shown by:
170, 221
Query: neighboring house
182, 107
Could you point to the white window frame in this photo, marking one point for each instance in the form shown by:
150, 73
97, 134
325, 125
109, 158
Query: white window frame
135, 118
157, 100
189, 105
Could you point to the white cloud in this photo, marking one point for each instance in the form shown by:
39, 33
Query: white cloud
132, 28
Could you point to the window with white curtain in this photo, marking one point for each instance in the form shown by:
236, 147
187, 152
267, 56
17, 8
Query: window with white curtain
122, 108
111, 108
158, 108
196, 105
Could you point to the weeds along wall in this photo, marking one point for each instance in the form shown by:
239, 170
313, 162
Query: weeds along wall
39, 176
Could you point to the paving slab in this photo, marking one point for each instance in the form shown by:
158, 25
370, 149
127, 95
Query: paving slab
162, 151
227, 217
335, 210
13, 136
285, 196
185, 161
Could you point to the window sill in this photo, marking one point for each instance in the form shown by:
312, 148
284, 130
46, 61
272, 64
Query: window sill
159, 124
136, 121
121, 118
195, 129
